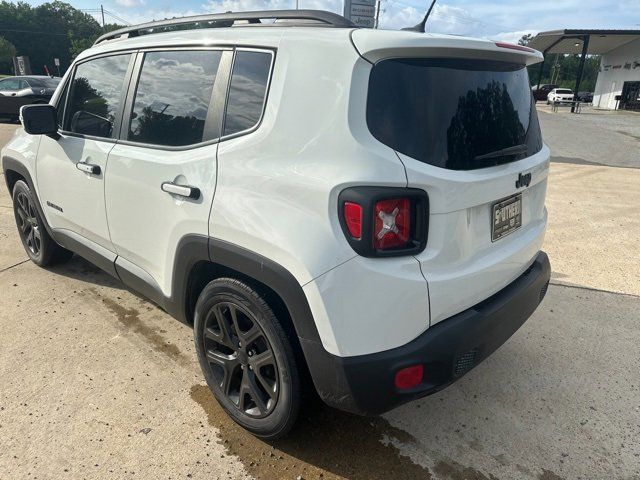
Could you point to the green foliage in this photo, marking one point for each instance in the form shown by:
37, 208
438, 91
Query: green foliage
525, 39
564, 71
7, 52
48, 31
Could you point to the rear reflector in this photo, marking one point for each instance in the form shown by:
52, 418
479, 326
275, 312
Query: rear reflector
514, 47
392, 223
353, 219
409, 377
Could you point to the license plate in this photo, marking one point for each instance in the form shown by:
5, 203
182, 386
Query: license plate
507, 217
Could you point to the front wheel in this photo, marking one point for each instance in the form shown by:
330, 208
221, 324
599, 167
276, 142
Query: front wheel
247, 358
40, 247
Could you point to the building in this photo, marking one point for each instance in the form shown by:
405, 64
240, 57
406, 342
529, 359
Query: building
618, 83
619, 76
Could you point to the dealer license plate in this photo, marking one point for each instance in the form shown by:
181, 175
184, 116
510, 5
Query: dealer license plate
507, 217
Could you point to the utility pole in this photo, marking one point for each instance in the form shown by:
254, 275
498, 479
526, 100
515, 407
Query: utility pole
377, 18
102, 12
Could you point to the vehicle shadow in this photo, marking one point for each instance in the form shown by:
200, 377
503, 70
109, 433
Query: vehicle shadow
80, 269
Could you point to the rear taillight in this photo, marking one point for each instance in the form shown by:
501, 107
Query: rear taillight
392, 228
353, 219
384, 221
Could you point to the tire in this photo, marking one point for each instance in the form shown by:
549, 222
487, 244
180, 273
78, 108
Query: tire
548, 102
40, 247
247, 358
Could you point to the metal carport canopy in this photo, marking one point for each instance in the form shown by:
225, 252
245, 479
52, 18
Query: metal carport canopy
581, 42
570, 41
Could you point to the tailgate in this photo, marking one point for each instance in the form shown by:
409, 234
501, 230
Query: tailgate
461, 263
460, 115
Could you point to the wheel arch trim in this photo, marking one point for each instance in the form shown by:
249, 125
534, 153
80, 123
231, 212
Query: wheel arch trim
10, 164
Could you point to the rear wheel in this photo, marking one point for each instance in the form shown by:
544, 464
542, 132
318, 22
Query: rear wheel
40, 247
246, 357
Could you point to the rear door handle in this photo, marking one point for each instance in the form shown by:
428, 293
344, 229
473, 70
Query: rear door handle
88, 168
182, 190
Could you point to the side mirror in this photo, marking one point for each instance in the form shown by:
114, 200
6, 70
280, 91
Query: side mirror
39, 119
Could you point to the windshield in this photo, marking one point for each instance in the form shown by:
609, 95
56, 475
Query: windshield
453, 113
563, 90
44, 82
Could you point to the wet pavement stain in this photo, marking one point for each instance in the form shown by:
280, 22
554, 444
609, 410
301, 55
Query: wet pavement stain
129, 317
325, 444
454, 471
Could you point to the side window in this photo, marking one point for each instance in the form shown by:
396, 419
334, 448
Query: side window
173, 96
23, 84
96, 96
247, 91
10, 84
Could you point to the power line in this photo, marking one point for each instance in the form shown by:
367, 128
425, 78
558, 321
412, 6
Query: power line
117, 17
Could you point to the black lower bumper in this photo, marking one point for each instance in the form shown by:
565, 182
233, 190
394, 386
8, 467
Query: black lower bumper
365, 384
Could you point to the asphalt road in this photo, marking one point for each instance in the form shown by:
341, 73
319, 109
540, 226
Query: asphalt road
99, 383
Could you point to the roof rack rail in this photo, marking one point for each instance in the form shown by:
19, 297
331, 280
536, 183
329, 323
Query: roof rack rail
306, 18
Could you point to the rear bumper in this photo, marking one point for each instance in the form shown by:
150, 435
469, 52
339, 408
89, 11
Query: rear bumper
365, 384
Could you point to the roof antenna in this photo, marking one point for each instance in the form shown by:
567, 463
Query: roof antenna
420, 27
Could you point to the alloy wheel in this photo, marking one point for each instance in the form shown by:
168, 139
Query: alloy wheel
241, 359
28, 223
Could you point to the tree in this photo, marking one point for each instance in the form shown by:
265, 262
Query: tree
7, 52
525, 39
48, 31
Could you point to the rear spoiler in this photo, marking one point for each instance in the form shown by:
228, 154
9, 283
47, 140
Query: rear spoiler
377, 45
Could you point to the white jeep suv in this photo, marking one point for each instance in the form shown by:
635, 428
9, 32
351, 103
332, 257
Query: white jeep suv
362, 209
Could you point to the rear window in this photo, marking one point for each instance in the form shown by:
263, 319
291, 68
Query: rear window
248, 91
455, 114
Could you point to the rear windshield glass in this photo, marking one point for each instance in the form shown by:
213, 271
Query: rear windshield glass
455, 114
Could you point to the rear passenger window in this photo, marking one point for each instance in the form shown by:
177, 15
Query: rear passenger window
96, 95
247, 91
173, 96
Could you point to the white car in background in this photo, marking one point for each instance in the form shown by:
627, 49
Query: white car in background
560, 95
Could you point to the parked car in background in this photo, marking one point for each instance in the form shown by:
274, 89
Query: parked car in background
540, 93
560, 95
18, 91
586, 97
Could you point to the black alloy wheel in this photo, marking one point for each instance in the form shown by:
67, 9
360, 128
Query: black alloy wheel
33, 232
247, 358
241, 359
27, 221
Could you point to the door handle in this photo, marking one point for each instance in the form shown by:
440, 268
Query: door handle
88, 168
182, 190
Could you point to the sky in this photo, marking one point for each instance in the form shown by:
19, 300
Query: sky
494, 19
